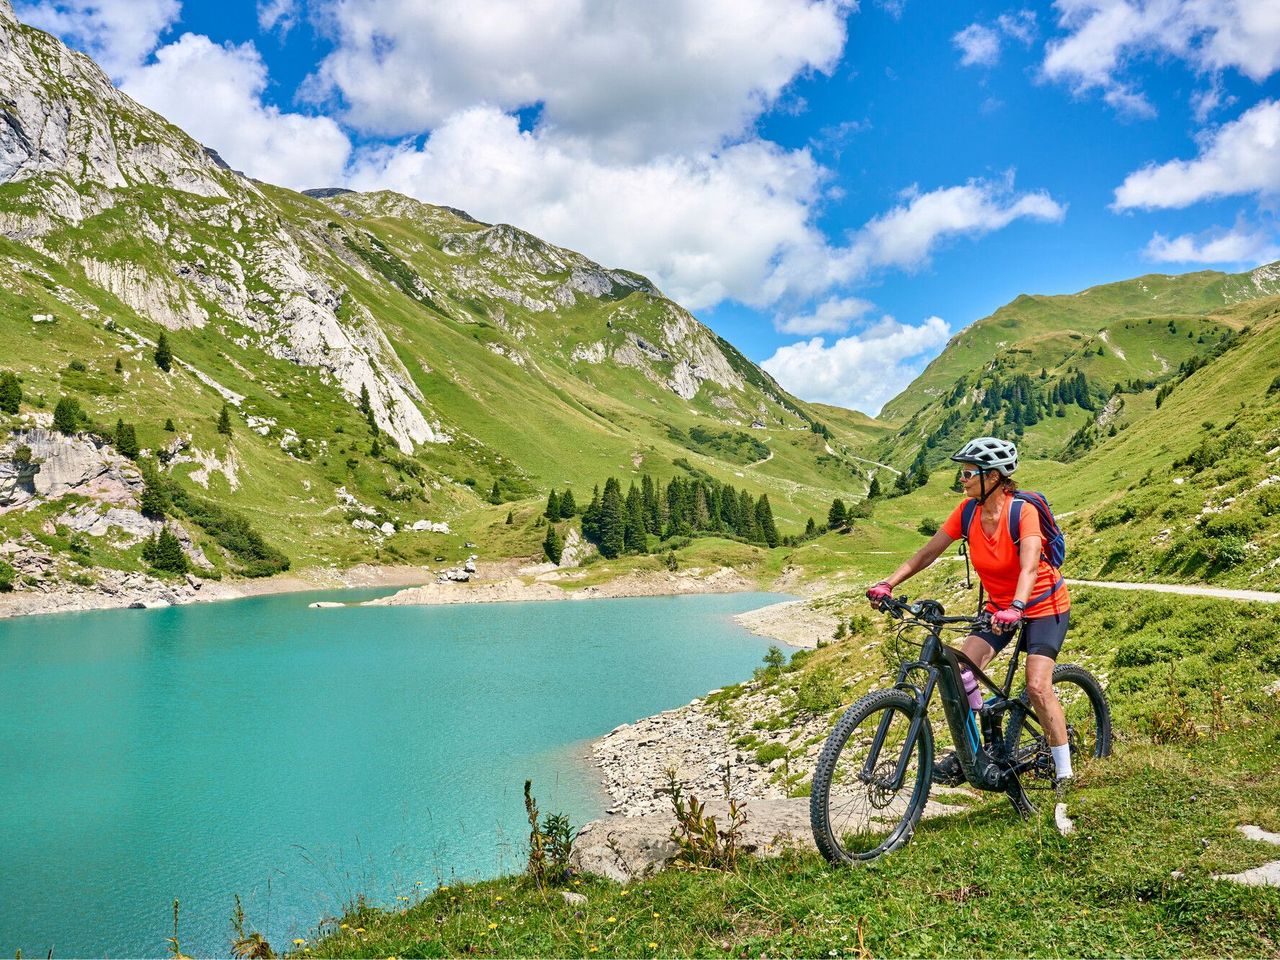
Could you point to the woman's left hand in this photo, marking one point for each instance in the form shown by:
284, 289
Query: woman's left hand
1006, 619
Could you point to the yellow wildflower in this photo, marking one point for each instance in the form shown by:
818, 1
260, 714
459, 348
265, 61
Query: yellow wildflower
493, 926
652, 945
612, 920
298, 941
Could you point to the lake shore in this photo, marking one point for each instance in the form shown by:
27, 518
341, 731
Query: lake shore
793, 623
117, 590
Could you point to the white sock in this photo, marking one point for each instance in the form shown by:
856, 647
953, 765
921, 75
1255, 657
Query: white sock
1062, 760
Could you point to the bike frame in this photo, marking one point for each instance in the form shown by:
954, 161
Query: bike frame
941, 665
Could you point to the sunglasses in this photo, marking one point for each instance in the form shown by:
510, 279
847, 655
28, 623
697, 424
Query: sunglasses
970, 474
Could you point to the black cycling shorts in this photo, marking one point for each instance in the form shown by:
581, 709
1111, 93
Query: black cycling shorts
1044, 635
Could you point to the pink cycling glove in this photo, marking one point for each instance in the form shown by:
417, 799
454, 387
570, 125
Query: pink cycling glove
1007, 619
881, 591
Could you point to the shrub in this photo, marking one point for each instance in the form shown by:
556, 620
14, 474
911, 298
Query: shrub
928, 527
23, 455
231, 531
7, 575
78, 366
819, 690
770, 752
701, 841
550, 842
164, 552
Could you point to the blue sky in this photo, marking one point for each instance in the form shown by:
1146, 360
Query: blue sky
836, 188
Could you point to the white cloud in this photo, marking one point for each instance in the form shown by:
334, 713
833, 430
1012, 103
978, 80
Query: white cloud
1206, 102
1240, 157
278, 13
705, 228
1020, 25
1239, 245
907, 235
734, 224
979, 45
862, 372
118, 34
636, 80
830, 316
215, 93
1210, 35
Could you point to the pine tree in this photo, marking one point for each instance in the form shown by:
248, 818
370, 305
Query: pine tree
748, 528
495, 495
552, 545
375, 448
764, 515
568, 505
836, 516
126, 440
366, 408
511, 518
810, 528
153, 503
591, 518
66, 415
613, 520
649, 497
163, 354
633, 534
168, 425
224, 421
119, 366
164, 552
10, 393
552, 512
874, 490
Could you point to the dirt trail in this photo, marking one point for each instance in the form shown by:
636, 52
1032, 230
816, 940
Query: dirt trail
1223, 593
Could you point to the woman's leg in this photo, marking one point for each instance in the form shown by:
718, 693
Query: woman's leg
1043, 700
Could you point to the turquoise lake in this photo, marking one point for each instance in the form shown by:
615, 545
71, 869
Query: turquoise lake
300, 757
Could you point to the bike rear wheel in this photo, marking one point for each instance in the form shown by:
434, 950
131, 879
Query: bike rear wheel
1088, 716
856, 812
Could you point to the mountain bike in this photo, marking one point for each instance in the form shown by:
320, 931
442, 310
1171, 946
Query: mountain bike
875, 771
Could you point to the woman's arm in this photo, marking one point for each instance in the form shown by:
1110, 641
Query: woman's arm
923, 557
1029, 562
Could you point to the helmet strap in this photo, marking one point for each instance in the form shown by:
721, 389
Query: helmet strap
985, 494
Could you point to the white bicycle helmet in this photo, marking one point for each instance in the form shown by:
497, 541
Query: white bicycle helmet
989, 453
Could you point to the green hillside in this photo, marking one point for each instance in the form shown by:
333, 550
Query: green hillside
382, 361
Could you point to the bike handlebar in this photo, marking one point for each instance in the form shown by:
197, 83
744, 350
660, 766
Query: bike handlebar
929, 611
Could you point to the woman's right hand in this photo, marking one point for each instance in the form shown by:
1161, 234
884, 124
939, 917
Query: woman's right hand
881, 591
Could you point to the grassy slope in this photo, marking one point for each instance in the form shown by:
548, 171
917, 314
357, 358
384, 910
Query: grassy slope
979, 882
1031, 322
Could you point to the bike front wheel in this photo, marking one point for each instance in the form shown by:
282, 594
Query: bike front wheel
872, 779
1088, 716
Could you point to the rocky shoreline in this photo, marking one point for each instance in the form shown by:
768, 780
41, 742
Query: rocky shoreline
493, 584
115, 589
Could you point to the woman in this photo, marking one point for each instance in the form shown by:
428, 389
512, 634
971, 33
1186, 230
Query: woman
1021, 586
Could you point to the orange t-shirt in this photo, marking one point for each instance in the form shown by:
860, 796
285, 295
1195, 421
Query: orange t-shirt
996, 559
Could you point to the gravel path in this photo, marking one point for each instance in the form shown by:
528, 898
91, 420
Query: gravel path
1224, 593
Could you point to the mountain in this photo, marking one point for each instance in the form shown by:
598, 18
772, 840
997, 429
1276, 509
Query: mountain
384, 363
1049, 370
